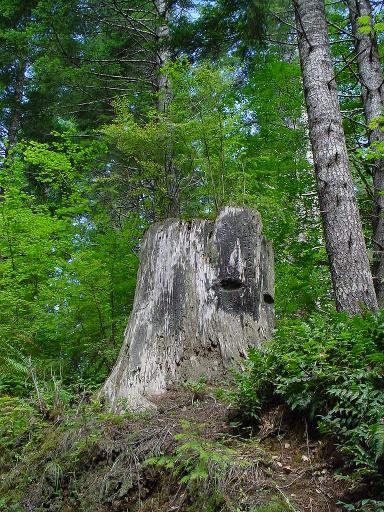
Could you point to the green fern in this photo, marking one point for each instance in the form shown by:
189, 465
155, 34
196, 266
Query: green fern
331, 369
195, 458
275, 505
12, 360
377, 437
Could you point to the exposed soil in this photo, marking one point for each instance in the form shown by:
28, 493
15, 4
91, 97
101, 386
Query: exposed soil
291, 464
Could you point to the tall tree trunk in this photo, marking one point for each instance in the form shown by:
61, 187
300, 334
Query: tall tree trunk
371, 79
163, 55
164, 99
348, 260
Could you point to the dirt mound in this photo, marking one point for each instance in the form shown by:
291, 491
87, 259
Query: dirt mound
188, 456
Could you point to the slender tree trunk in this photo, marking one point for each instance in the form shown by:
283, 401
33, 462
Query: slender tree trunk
371, 79
164, 99
163, 55
348, 260
15, 119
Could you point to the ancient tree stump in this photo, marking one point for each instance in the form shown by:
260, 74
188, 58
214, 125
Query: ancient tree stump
204, 295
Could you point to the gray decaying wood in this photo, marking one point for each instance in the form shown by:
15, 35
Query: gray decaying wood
351, 276
205, 293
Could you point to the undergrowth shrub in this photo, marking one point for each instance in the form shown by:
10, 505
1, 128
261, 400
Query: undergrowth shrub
275, 505
330, 368
195, 458
19, 425
212, 471
364, 506
44, 454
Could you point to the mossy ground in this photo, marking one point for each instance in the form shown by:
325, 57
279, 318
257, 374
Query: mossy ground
186, 457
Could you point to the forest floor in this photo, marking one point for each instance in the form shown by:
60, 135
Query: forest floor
189, 455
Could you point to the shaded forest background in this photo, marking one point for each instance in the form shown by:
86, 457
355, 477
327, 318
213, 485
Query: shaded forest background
82, 171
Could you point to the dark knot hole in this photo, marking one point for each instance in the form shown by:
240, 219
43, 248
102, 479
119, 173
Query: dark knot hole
268, 298
231, 283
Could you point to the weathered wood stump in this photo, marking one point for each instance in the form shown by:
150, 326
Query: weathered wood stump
204, 295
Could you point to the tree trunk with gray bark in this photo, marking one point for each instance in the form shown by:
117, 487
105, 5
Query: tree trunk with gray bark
371, 79
164, 99
348, 260
204, 295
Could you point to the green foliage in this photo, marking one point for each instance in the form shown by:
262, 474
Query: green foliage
329, 367
44, 448
238, 142
22, 428
66, 289
277, 180
364, 506
367, 24
74, 205
377, 437
196, 387
195, 458
275, 505
78, 454
202, 126
14, 420
222, 26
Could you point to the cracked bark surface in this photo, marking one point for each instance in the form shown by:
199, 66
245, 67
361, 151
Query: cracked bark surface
351, 276
372, 91
204, 295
